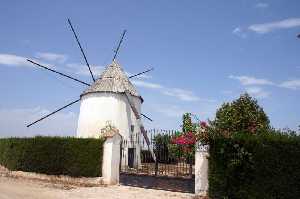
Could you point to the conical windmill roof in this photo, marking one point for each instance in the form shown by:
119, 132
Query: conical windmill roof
113, 79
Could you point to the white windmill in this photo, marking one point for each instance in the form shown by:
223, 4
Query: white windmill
111, 98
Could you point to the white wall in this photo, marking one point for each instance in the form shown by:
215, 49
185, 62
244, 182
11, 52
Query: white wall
98, 108
201, 169
111, 160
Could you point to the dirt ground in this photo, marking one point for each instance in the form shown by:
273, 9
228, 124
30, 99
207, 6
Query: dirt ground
24, 189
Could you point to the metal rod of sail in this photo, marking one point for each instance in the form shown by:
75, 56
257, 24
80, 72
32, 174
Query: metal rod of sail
146, 71
146, 117
118, 48
49, 69
52, 113
87, 63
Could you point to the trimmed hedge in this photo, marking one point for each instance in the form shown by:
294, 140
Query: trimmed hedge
255, 166
53, 155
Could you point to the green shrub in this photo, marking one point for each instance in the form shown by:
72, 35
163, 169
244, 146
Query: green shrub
242, 114
263, 166
53, 155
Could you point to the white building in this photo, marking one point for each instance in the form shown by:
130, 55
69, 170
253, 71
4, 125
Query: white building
105, 102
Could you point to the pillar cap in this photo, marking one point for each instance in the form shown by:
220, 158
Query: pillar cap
109, 131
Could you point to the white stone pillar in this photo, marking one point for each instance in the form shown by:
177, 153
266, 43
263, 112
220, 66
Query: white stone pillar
201, 169
111, 159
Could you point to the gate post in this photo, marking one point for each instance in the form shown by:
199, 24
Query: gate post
201, 169
156, 167
111, 157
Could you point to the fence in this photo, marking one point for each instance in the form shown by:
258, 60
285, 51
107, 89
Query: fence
160, 158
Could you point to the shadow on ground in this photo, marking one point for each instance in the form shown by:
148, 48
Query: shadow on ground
160, 183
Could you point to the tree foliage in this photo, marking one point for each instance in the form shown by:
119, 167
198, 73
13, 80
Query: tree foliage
187, 125
241, 115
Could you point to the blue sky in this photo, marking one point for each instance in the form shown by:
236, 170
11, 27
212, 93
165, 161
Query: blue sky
204, 53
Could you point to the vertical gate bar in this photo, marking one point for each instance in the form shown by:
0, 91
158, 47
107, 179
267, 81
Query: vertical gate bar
169, 138
191, 167
167, 155
136, 154
121, 155
126, 156
149, 165
166, 158
176, 167
181, 165
185, 167
156, 160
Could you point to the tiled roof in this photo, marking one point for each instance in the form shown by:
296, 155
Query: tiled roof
113, 79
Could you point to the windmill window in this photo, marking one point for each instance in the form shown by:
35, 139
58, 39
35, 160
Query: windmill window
132, 128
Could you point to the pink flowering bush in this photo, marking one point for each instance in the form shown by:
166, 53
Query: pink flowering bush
202, 132
184, 139
184, 144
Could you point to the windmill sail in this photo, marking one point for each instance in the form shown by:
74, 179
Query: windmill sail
146, 71
145, 116
86, 61
60, 73
44, 117
143, 131
119, 45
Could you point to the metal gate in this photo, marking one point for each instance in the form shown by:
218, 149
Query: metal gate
170, 161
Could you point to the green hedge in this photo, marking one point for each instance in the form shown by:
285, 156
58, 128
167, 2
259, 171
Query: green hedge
53, 155
249, 166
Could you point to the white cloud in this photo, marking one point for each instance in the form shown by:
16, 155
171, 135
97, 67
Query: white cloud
13, 60
257, 92
52, 57
291, 84
252, 81
13, 122
181, 94
268, 27
261, 5
239, 32
170, 111
247, 80
81, 69
184, 95
146, 84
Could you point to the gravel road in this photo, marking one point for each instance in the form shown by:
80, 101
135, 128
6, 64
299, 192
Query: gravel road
24, 189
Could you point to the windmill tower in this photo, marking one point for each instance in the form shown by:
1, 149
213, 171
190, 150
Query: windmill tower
111, 98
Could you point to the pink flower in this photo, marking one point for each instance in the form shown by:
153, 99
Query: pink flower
185, 139
203, 124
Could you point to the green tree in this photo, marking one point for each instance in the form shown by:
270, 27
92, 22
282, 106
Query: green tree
187, 124
241, 115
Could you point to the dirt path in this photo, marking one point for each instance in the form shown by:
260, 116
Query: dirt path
24, 189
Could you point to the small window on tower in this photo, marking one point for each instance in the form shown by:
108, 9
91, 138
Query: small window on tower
132, 128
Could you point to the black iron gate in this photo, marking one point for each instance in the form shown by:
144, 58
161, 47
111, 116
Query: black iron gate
153, 166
